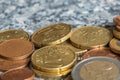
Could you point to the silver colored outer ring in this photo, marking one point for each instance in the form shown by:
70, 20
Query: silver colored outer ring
76, 70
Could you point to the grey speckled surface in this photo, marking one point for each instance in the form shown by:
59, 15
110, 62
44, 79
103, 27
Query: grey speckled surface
33, 14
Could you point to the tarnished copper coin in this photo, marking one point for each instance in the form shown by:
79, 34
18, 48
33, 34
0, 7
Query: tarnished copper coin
102, 51
13, 34
52, 34
90, 37
15, 49
6, 65
18, 74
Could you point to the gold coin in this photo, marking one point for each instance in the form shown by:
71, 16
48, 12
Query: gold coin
77, 51
89, 37
115, 45
52, 34
53, 58
116, 33
50, 75
13, 34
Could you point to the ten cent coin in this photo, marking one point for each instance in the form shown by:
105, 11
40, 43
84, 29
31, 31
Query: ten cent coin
52, 34
90, 37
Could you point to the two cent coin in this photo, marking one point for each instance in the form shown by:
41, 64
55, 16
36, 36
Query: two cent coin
18, 74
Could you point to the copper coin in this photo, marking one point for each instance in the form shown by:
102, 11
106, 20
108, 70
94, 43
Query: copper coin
18, 74
100, 52
15, 49
116, 20
11, 64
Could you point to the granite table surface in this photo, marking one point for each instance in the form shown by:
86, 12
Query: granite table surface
30, 15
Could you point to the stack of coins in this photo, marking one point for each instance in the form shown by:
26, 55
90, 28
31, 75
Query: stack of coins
15, 49
115, 43
53, 61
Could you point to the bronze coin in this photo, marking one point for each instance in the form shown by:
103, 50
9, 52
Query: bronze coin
102, 51
6, 65
15, 49
18, 74
116, 20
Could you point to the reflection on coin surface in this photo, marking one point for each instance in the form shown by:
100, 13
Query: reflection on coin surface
13, 34
90, 37
52, 34
53, 58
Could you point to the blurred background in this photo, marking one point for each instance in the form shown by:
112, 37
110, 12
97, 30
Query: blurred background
33, 14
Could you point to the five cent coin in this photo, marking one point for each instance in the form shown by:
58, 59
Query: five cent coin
18, 74
16, 49
6, 65
102, 51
